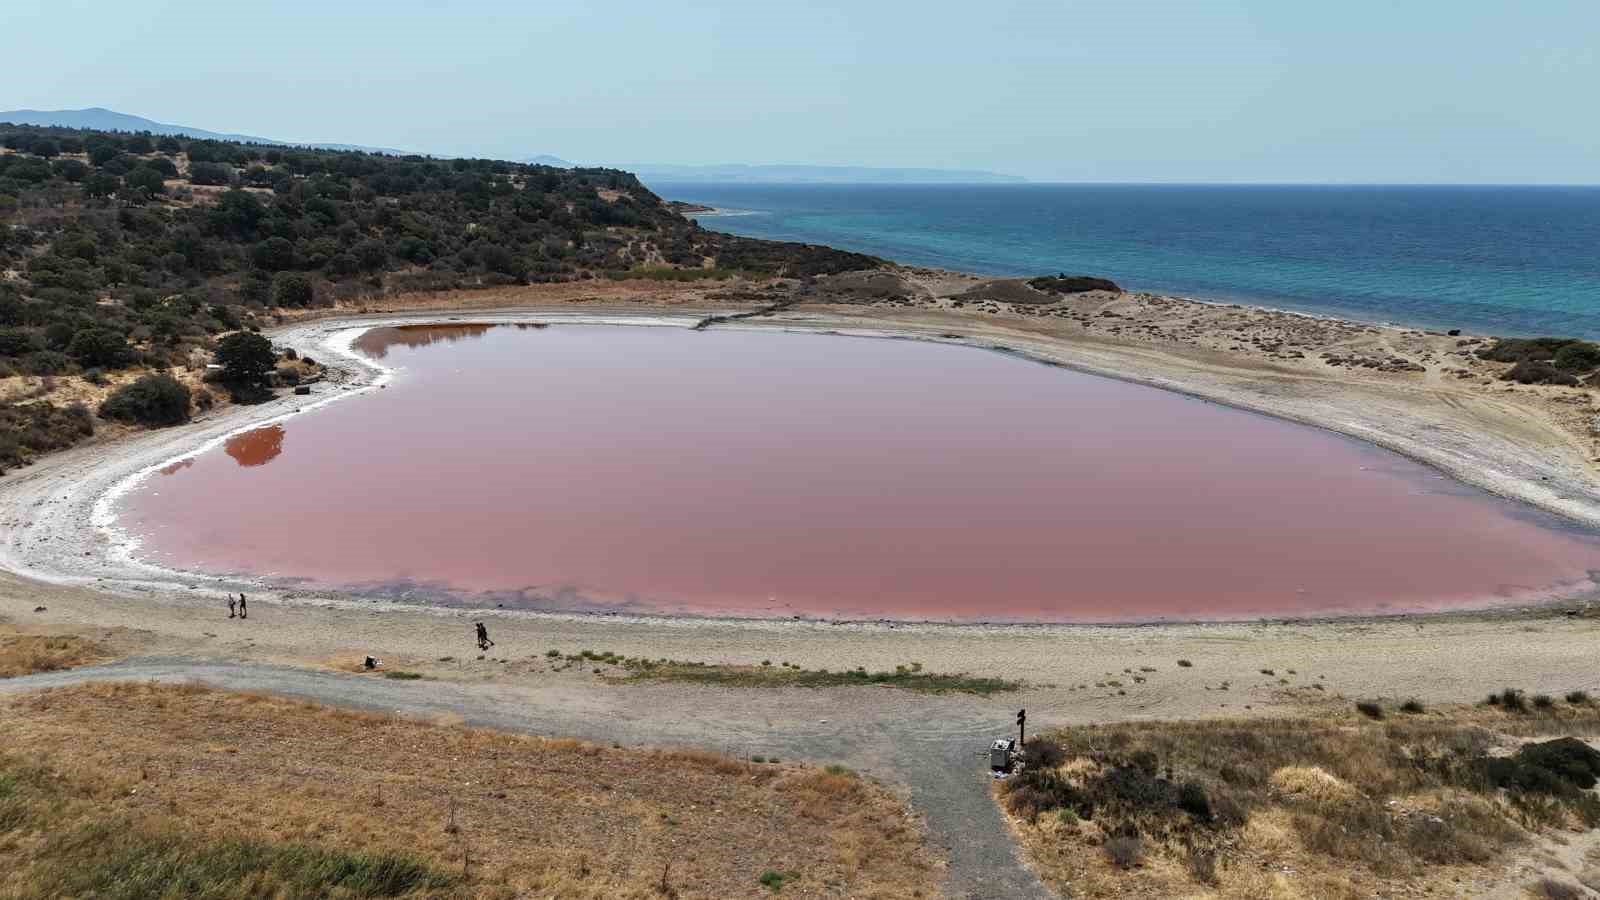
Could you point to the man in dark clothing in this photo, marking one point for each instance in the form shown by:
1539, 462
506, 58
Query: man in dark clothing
483, 638
243, 612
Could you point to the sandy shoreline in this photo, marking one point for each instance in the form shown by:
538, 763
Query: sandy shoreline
60, 523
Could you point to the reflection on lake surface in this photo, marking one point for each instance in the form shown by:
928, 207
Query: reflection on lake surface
766, 473
255, 447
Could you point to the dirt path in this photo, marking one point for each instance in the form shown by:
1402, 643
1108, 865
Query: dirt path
929, 746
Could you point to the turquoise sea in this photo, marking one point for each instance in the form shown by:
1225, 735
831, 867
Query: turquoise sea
1496, 260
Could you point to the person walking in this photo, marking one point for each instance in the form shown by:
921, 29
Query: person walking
231, 613
483, 637
244, 613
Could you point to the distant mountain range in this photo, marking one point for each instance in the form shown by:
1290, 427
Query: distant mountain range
744, 174
99, 119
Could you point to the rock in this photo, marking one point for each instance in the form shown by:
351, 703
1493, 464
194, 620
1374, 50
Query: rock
303, 389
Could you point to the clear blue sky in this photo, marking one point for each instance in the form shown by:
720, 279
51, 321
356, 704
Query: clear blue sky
1136, 90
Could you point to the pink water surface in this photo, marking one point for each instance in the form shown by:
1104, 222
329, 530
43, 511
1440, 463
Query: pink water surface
767, 473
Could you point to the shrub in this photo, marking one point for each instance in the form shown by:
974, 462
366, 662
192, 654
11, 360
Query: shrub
773, 880
1126, 851
1509, 699
1531, 371
1558, 768
1578, 356
1543, 701
1184, 664
1578, 698
1073, 284
46, 362
153, 400
1193, 800
1519, 349
1412, 706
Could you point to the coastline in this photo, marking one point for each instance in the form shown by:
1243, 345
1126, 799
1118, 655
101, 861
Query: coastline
70, 537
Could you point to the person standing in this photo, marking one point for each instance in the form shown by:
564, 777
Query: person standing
231, 613
244, 613
483, 637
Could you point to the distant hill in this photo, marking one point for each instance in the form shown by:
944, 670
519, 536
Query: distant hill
724, 174
96, 118
545, 159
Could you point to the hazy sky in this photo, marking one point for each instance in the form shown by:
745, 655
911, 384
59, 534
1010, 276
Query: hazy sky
1132, 90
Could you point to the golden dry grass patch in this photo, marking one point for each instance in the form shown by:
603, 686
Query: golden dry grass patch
521, 816
27, 654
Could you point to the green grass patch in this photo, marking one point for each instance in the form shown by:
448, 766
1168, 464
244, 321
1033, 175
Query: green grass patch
112, 861
910, 678
404, 676
773, 880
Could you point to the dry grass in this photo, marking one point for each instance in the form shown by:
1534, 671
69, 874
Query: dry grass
1331, 807
265, 790
25, 654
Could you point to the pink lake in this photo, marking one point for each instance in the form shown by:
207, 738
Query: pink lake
764, 473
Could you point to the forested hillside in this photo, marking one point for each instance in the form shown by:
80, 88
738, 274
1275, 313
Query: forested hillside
131, 251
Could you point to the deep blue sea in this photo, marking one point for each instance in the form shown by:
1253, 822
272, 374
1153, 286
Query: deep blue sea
1495, 260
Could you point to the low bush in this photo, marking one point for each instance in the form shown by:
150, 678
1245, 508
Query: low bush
1125, 852
1539, 349
153, 400
1370, 708
1509, 699
1073, 284
28, 430
1531, 371
1412, 706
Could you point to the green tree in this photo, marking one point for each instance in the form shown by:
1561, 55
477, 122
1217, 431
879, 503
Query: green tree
101, 185
209, 173
71, 169
293, 290
100, 348
146, 181
245, 358
153, 400
274, 254
102, 151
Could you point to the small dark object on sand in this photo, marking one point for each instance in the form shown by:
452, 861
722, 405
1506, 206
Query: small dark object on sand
38, 609
369, 663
